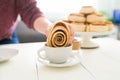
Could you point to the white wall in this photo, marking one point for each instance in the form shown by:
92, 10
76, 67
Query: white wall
64, 5
61, 8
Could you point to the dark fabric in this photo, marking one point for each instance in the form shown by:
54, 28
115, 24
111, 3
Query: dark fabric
14, 39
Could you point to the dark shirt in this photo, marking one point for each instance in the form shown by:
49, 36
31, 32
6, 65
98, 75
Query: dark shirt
9, 11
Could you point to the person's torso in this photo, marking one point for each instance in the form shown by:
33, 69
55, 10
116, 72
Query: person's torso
8, 16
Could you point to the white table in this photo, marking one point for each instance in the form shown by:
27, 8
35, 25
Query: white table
102, 63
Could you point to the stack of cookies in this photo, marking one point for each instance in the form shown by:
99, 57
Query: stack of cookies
88, 20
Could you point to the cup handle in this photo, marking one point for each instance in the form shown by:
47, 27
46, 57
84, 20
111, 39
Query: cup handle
39, 54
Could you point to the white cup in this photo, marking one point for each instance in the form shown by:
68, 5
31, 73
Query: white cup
55, 54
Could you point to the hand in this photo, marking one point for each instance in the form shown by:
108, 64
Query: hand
72, 33
41, 24
48, 30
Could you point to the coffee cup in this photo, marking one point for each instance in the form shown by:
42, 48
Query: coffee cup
55, 55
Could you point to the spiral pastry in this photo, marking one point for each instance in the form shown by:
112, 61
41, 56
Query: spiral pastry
59, 35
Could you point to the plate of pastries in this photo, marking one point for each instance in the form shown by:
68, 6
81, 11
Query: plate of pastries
88, 20
88, 23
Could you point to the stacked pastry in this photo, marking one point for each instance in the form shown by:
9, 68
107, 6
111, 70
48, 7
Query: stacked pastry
59, 35
88, 20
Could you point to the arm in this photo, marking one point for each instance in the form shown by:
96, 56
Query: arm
32, 16
41, 24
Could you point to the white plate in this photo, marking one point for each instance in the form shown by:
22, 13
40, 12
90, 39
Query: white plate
74, 60
94, 33
86, 38
7, 53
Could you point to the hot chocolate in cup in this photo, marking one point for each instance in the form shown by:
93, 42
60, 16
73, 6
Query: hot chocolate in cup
55, 55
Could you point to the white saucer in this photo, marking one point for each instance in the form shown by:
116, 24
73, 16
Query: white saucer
7, 53
70, 62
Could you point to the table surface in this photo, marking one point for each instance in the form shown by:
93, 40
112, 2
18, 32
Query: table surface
102, 63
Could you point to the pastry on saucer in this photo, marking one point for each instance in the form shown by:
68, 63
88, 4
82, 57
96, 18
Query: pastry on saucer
75, 17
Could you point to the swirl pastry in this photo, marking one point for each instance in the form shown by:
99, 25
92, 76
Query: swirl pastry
59, 36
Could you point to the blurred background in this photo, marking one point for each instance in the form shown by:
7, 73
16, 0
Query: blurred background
64, 7
60, 9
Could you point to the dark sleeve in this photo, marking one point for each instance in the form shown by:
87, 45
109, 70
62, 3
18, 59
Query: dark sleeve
28, 11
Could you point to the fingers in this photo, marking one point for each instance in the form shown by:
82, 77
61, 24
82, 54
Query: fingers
47, 31
72, 33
